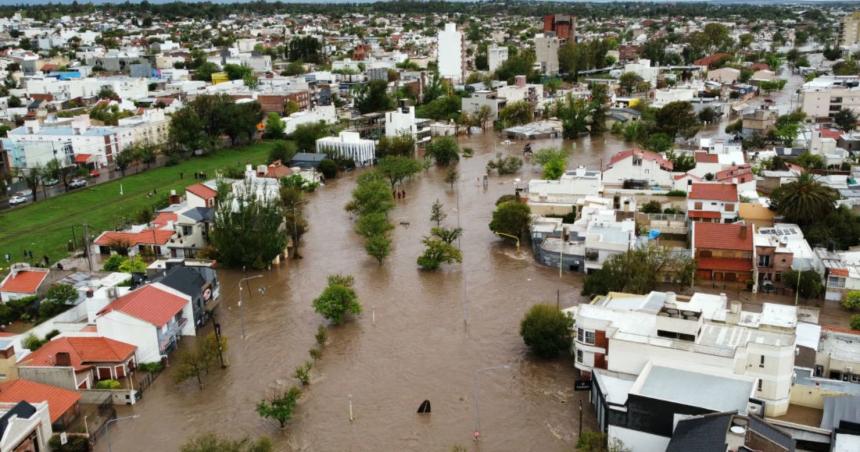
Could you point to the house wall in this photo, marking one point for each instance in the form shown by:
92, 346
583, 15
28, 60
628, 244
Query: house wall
638, 441
63, 377
649, 170
450, 53
124, 328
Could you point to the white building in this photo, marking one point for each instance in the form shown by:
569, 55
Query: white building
496, 55
26, 426
152, 318
319, 113
349, 145
546, 52
638, 165
643, 69
97, 145
623, 332
450, 54
824, 96
402, 121
558, 197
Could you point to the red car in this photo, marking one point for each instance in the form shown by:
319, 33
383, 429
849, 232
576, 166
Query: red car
95, 173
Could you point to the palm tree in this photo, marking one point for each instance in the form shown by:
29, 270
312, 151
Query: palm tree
804, 201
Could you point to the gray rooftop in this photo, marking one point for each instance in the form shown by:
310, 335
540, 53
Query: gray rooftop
686, 388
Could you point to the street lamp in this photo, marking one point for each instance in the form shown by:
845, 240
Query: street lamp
241, 309
108, 423
477, 433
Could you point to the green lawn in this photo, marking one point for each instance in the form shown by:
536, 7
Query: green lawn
45, 227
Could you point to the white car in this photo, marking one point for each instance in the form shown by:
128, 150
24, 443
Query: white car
17, 198
78, 183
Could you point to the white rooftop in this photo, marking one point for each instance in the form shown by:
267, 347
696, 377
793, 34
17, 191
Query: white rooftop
725, 392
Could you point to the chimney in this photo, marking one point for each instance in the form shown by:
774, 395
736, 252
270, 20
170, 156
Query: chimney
174, 198
63, 359
520, 81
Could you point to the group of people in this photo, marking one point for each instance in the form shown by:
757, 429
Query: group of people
399, 194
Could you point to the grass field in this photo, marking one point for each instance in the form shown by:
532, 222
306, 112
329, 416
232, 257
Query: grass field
45, 227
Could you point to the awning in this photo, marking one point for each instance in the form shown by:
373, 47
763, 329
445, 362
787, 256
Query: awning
82, 158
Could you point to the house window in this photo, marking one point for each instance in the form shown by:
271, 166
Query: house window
764, 261
187, 230
579, 334
697, 206
589, 337
579, 356
835, 282
761, 361
730, 207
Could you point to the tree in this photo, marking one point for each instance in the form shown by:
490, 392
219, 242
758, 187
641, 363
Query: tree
210, 442
640, 271
281, 406
123, 160
652, 207
438, 252
282, 151
247, 230
295, 224
574, 115
237, 71
511, 218
845, 119
274, 126
443, 150
677, 118
520, 64
451, 176
681, 162
628, 82
397, 169
378, 246
294, 68
306, 135
402, 145
204, 71
803, 201
809, 160
372, 97
546, 331
515, 113
442, 108
186, 131
809, 284
62, 293
504, 165
851, 301
32, 177
195, 362
708, 115
244, 120
328, 168
338, 299
437, 213
305, 48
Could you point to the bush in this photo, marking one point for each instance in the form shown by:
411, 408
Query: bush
112, 263
315, 353
303, 373
677, 193
52, 334
74, 444
152, 368
338, 299
32, 343
108, 384
546, 331
652, 207
328, 168
321, 336
283, 151
855, 322
444, 151
852, 300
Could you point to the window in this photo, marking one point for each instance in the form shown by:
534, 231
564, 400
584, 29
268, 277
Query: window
764, 261
761, 361
579, 356
589, 337
835, 281
759, 385
187, 230
730, 207
697, 206
579, 334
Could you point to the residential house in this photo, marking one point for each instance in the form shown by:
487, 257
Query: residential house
712, 202
638, 166
22, 281
823, 96
78, 362
152, 318
725, 75
723, 252
728, 431
739, 175
559, 197
200, 282
201, 195
472, 105
63, 404
623, 333
706, 164
782, 248
402, 121
139, 239
24, 427
759, 122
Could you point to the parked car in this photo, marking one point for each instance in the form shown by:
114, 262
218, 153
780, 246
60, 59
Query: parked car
78, 183
95, 173
18, 198
50, 182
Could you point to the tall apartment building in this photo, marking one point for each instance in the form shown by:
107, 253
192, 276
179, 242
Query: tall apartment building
451, 53
851, 29
563, 25
822, 97
496, 55
622, 333
546, 52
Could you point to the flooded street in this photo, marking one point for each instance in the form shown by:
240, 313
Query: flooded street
422, 336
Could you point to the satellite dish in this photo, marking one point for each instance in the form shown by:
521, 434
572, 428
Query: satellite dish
424, 408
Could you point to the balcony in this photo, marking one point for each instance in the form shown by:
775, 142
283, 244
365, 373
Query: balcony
169, 337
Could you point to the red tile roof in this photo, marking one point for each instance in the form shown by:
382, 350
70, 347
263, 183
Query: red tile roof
24, 281
714, 192
82, 158
720, 236
59, 400
645, 155
163, 218
718, 263
83, 352
830, 133
711, 59
201, 191
277, 170
703, 214
150, 303
734, 171
704, 157
143, 237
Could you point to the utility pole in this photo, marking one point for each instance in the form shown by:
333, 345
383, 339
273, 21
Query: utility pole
87, 252
218, 338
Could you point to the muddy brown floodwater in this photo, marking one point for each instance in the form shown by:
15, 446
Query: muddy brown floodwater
422, 336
